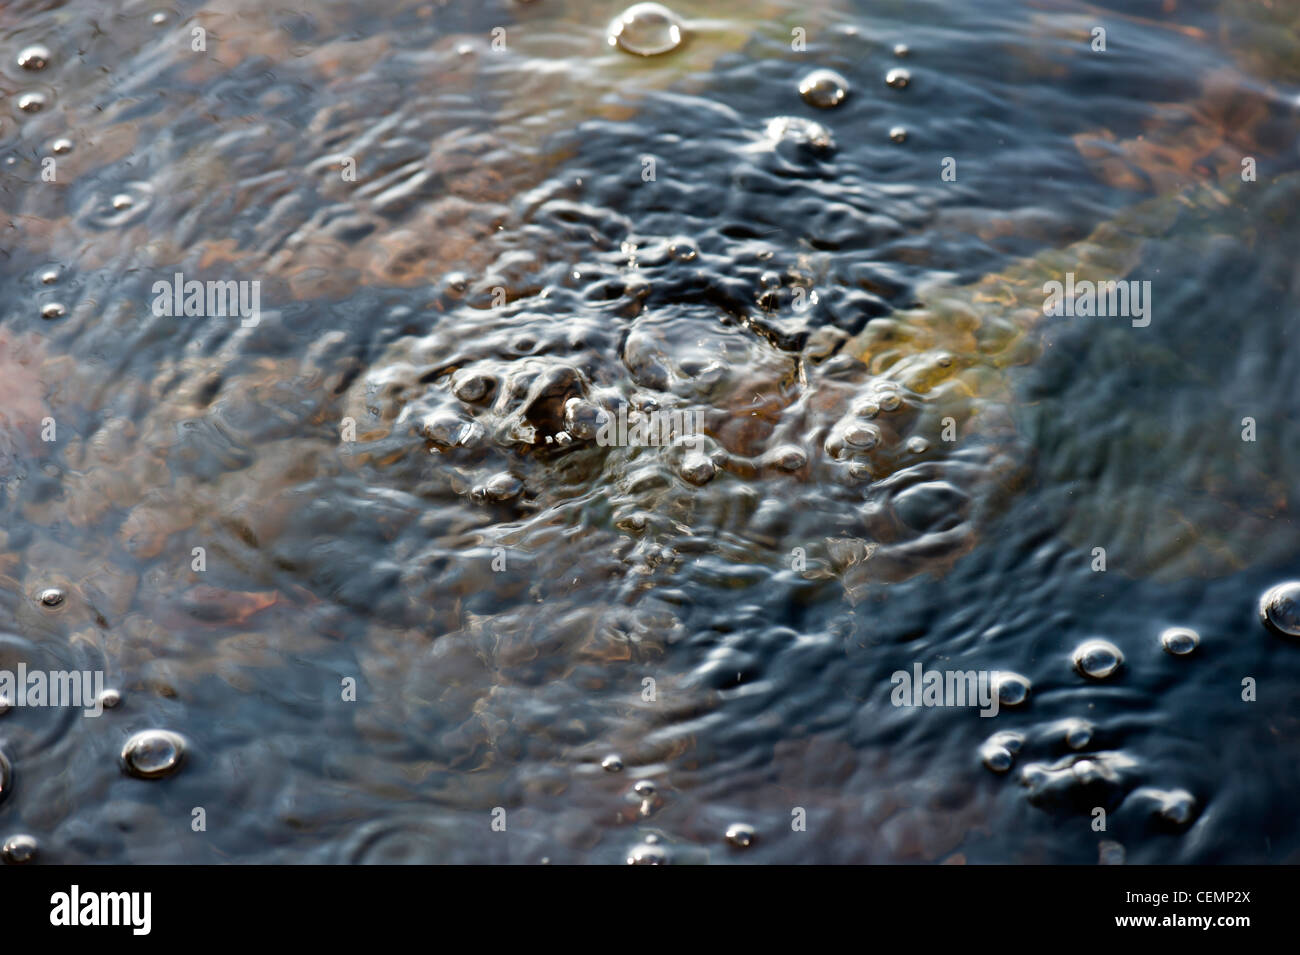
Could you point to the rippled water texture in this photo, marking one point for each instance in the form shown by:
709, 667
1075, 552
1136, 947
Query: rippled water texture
367, 583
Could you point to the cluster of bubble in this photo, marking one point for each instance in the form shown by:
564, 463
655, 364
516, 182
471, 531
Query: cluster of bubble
651, 850
147, 754
1098, 660
651, 29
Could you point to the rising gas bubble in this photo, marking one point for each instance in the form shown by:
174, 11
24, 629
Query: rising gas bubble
698, 469
127, 205
800, 132
1175, 806
473, 386
1279, 609
1012, 688
582, 419
152, 754
788, 457
823, 89
898, 78
1097, 659
19, 849
649, 853
683, 250
999, 752
1179, 641
1078, 734
35, 57
1110, 853
647, 29
741, 835
32, 102
503, 487
110, 698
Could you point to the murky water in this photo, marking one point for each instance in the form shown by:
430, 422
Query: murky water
366, 578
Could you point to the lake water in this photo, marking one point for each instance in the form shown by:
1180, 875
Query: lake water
360, 539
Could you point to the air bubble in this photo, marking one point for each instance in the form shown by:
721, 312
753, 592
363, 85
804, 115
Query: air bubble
1279, 609
152, 754
19, 849
503, 487
862, 436
110, 698
53, 310
35, 57
1179, 641
1175, 806
802, 132
999, 752
613, 763
647, 29
1078, 734
32, 102
649, 853
683, 250
824, 89
472, 386
1012, 688
51, 598
789, 457
698, 469
898, 134
889, 401
741, 835
582, 419
1097, 659
898, 78
128, 204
